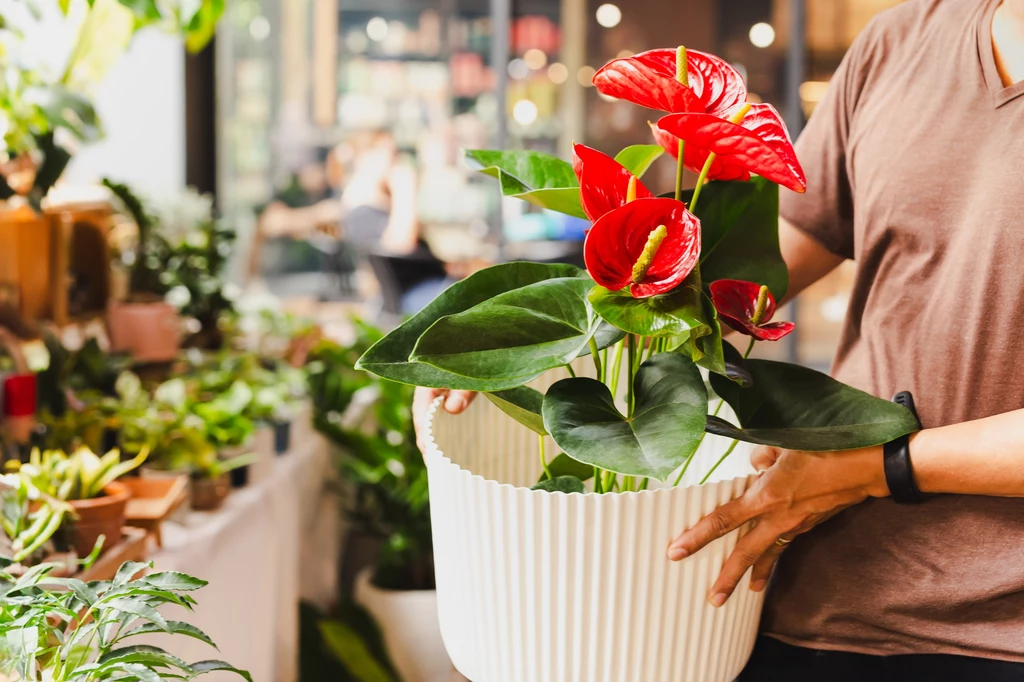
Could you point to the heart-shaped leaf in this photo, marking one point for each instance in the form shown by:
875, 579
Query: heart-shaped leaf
564, 465
513, 337
665, 429
672, 314
736, 366
704, 344
390, 357
739, 224
794, 407
605, 336
541, 179
522, 404
562, 484
638, 158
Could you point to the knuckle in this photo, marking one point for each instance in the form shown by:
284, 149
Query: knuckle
719, 523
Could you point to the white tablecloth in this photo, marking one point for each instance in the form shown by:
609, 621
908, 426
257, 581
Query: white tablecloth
271, 544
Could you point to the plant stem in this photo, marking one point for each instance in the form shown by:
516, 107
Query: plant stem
689, 459
627, 483
700, 181
679, 171
720, 460
604, 364
597, 480
631, 341
617, 367
596, 354
750, 347
643, 484
544, 459
572, 372
610, 480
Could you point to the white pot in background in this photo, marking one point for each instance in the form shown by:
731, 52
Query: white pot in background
547, 587
408, 621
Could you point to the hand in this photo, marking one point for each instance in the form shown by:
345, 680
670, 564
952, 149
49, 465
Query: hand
795, 492
456, 402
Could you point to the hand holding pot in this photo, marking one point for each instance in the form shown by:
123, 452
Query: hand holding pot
795, 492
455, 403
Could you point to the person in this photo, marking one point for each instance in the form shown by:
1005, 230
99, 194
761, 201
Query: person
914, 171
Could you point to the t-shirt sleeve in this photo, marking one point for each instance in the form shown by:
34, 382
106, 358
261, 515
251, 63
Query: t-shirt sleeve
825, 210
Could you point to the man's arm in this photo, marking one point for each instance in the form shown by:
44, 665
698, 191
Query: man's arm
806, 259
980, 457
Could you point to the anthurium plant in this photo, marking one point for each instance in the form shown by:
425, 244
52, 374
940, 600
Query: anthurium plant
666, 275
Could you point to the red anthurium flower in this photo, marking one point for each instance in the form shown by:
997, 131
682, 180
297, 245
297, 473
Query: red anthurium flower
649, 245
748, 308
649, 79
759, 143
694, 157
604, 182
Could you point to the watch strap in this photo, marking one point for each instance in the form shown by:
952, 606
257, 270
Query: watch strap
899, 472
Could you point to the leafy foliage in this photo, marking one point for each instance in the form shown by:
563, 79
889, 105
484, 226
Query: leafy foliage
63, 629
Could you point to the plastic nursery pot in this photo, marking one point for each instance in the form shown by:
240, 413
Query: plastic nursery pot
408, 622
151, 332
99, 516
209, 493
535, 586
239, 477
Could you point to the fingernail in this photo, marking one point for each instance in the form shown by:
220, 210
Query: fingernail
718, 599
757, 585
676, 553
455, 403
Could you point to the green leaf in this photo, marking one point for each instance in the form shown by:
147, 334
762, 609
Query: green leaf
390, 357
665, 429
639, 157
349, 648
174, 627
564, 465
145, 11
128, 570
135, 671
173, 580
522, 404
138, 608
606, 335
542, 179
214, 666
797, 408
736, 365
562, 484
673, 314
740, 233
707, 349
513, 337
142, 654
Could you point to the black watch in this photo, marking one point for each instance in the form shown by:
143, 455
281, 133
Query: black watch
899, 473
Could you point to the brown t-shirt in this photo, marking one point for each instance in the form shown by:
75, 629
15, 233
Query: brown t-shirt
915, 169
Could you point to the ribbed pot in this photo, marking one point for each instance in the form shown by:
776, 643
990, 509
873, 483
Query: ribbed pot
547, 587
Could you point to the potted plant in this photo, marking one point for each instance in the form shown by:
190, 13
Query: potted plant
567, 579
88, 483
384, 488
62, 629
29, 520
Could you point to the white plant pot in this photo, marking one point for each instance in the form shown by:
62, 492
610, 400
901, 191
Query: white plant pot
547, 587
408, 622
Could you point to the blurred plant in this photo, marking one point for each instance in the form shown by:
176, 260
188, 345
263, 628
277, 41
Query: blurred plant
29, 519
385, 479
62, 629
82, 475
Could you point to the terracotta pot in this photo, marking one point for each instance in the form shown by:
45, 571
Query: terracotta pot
99, 516
151, 332
209, 493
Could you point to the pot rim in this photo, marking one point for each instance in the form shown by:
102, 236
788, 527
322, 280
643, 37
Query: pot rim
434, 455
365, 577
116, 493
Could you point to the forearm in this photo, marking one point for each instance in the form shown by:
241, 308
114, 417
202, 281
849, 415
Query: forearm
980, 457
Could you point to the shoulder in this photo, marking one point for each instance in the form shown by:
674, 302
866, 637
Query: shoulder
914, 21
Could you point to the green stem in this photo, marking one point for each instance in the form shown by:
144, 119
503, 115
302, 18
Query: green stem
720, 460
604, 364
597, 480
686, 465
572, 372
679, 171
631, 340
617, 367
596, 354
627, 484
750, 347
700, 181
544, 460
610, 480
643, 484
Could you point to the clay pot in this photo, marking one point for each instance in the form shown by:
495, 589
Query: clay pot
151, 332
99, 516
209, 493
